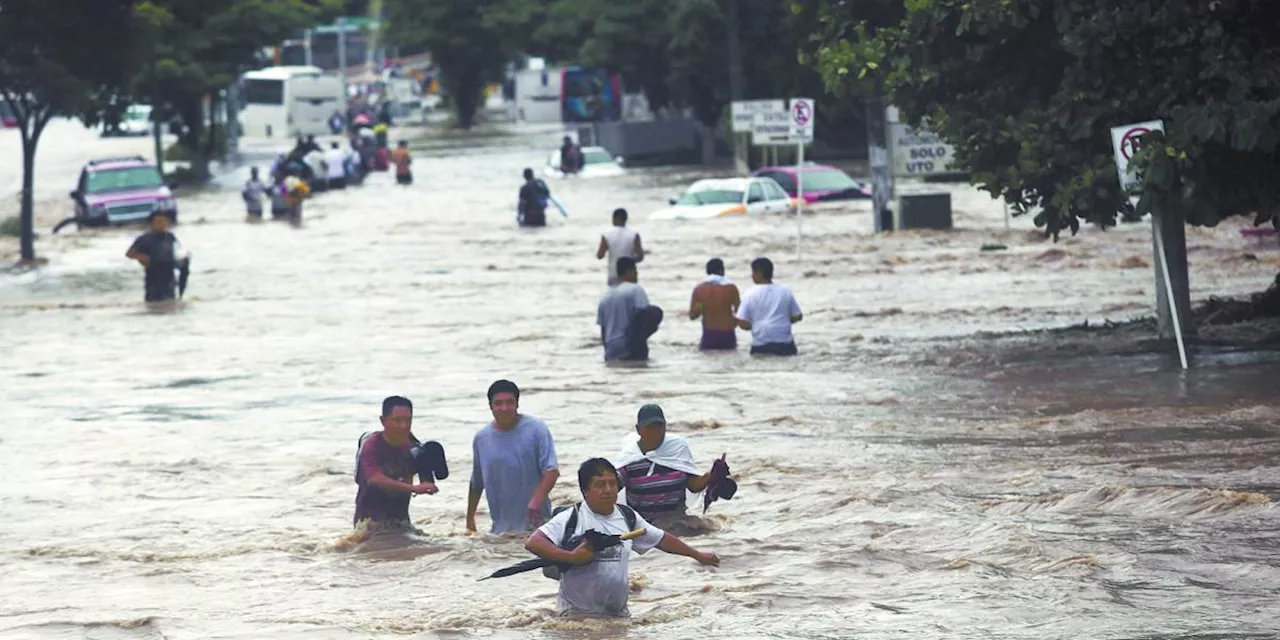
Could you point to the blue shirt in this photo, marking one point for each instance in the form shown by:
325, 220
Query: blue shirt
618, 307
508, 467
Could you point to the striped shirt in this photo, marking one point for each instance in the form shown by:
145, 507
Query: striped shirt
653, 489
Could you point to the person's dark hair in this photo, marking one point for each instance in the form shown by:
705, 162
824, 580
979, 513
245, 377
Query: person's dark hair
503, 386
626, 265
528, 174
715, 267
160, 212
592, 468
392, 402
620, 216
764, 266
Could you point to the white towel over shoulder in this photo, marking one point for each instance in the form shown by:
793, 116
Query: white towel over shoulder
674, 452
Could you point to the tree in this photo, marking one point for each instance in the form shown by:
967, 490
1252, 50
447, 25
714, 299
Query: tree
59, 58
199, 47
1027, 91
471, 42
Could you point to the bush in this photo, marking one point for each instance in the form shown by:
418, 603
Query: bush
11, 226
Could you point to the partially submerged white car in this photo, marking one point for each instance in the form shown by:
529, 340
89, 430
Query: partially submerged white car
596, 163
717, 198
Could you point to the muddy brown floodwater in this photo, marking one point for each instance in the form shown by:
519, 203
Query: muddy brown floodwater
188, 474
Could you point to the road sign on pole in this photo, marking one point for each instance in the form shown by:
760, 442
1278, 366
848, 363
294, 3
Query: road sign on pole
1125, 141
743, 112
802, 114
800, 133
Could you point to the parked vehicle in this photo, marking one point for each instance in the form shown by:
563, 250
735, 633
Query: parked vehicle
125, 190
136, 121
717, 198
7, 119
287, 102
596, 163
821, 183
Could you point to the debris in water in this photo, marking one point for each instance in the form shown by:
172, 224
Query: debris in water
994, 247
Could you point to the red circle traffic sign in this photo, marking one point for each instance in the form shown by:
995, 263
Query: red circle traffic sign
801, 112
1129, 142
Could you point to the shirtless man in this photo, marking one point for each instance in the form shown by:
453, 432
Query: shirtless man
716, 300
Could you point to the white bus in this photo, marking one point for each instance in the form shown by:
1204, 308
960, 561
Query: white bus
287, 102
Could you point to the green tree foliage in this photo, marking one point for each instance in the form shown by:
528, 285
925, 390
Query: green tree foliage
1027, 91
471, 42
196, 48
59, 58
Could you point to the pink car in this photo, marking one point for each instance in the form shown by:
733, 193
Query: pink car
821, 182
121, 191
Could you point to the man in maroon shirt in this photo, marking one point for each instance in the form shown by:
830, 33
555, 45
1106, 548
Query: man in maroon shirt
385, 469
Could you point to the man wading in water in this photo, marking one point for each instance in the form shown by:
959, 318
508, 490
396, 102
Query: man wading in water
532, 208
514, 460
385, 469
715, 300
157, 251
597, 583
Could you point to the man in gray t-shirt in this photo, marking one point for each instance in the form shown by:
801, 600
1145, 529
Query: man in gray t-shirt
514, 460
626, 318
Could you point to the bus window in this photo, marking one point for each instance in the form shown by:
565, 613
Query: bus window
263, 92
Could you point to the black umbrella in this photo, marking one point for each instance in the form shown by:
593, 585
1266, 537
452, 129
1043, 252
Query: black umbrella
594, 539
184, 272
720, 485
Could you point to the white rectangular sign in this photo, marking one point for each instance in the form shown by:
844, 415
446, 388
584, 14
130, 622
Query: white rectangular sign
1125, 142
771, 129
743, 112
917, 152
802, 116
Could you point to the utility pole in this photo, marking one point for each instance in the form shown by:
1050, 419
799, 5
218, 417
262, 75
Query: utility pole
740, 159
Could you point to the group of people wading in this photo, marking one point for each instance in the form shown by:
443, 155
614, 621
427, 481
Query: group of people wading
515, 466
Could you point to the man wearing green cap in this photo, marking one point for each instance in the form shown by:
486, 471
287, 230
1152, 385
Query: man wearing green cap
656, 469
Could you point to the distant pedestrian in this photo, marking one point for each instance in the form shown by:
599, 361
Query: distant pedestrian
253, 192
715, 300
401, 159
619, 241
626, 318
768, 312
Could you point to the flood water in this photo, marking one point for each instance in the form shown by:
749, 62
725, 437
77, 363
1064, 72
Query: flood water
188, 474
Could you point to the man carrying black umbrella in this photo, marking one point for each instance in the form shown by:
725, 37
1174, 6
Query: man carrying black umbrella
162, 258
597, 582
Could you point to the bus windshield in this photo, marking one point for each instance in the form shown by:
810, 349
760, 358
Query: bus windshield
269, 92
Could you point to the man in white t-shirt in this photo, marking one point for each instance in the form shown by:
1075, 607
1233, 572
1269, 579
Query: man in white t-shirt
596, 582
768, 311
619, 242
335, 162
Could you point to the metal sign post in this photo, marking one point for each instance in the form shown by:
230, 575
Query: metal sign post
1125, 141
802, 112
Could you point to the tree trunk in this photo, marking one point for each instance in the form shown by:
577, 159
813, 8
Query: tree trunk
465, 101
26, 218
193, 138
708, 143
35, 119
210, 140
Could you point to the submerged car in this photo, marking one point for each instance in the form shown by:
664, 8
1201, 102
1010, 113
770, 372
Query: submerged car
121, 191
716, 198
596, 163
135, 121
821, 183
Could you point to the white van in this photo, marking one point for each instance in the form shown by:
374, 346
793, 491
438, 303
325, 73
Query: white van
287, 102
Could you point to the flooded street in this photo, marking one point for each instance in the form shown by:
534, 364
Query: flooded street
189, 474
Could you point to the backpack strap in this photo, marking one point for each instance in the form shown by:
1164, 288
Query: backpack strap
629, 515
569, 528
